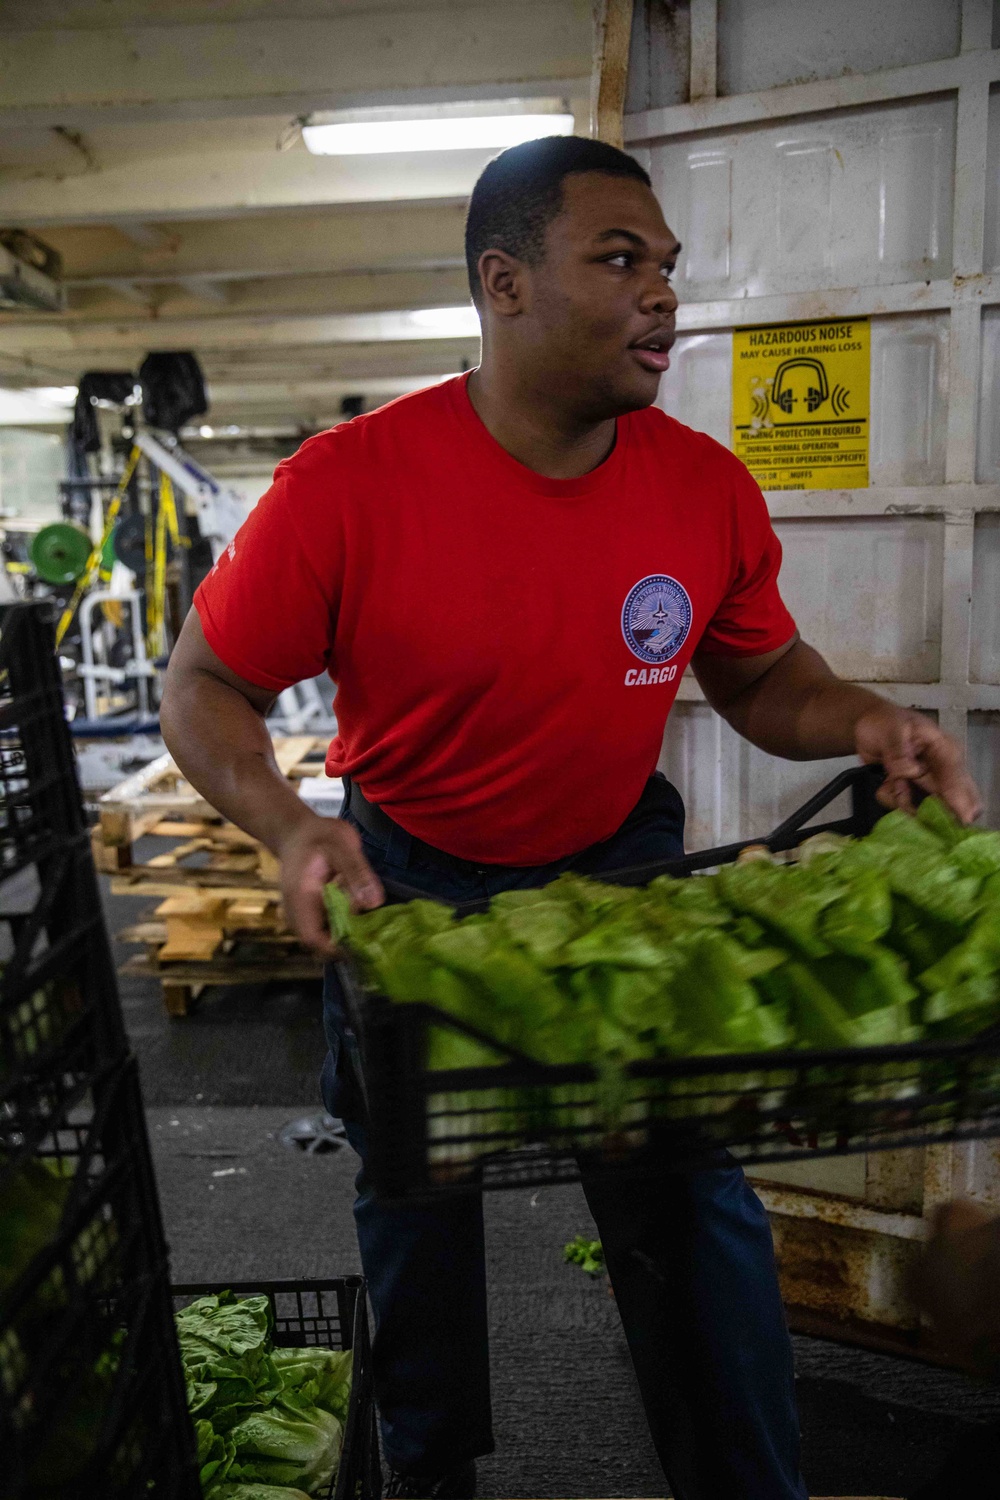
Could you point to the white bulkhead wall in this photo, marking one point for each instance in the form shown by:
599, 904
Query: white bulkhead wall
835, 159
849, 165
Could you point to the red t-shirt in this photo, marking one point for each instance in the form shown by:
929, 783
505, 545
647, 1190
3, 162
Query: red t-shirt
506, 647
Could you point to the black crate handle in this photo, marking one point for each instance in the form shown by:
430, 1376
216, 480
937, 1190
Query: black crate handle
861, 781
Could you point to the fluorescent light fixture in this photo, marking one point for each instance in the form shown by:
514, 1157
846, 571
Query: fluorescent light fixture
437, 127
37, 406
53, 395
446, 322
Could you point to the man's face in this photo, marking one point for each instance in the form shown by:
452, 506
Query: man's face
600, 318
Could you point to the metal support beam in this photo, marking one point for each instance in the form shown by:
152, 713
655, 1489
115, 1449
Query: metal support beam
956, 619
886, 500
970, 178
139, 296
269, 364
977, 25
234, 179
325, 310
291, 397
840, 302
294, 296
374, 237
222, 332
846, 92
963, 393
613, 30
145, 236
205, 289
704, 49
290, 64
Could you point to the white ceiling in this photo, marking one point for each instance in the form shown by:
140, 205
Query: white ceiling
152, 143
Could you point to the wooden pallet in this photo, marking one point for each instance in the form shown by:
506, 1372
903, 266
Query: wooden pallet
220, 889
195, 940
183, 984
197, 937
207, 851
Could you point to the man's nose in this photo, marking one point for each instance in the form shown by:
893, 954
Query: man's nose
659, 296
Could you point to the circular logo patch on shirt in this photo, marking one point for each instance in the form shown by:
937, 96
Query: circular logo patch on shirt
656, 618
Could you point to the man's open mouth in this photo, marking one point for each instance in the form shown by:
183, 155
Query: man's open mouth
653, 351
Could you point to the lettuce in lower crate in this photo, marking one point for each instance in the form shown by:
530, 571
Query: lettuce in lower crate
319, 1377
268, 1420
290, 1447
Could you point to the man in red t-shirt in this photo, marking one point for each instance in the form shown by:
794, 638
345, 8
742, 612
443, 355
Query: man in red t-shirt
506, 575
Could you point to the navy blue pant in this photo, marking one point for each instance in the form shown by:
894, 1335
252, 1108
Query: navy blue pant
689, 1253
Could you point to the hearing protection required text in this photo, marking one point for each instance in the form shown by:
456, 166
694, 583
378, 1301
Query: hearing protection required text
800, 404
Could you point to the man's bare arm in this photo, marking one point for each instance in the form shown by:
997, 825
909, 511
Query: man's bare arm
213, 725
791, 704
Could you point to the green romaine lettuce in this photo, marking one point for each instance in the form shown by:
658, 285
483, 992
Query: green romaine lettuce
264, 1416
319, 1377
290, 1447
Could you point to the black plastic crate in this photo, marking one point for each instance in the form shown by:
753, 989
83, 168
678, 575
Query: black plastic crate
60, 1020
92, 1397
40, 802
526, 1123
331, 1314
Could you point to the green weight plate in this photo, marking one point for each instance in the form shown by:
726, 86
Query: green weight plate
59, 552
129, 537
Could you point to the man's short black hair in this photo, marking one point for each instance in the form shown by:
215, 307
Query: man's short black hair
520, 193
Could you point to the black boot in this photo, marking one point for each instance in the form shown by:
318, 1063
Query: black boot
456, 1484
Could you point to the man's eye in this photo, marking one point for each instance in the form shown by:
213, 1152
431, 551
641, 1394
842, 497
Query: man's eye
622, 259
667, 271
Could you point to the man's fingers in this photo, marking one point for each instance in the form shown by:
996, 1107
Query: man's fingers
901, 753
896, 793
356, 874
337, 856
901, 764
308, 914
947, 777
915, 752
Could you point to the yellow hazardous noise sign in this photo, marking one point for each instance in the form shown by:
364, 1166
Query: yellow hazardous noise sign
800, 404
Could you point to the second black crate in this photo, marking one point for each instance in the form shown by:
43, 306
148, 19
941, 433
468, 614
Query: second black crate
60, 1020
40, 802
330, 1314
91, 1394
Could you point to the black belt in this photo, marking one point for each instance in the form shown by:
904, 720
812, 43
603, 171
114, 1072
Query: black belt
379, 824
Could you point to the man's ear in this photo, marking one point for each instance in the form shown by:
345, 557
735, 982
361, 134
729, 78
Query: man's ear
502, 278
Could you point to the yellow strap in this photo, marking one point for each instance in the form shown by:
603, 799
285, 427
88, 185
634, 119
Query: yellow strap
156, 596
93, 561
169, 504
